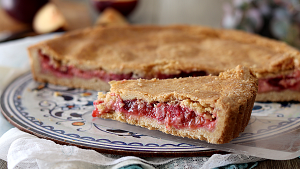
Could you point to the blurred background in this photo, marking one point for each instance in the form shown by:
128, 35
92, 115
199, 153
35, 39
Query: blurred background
277, 19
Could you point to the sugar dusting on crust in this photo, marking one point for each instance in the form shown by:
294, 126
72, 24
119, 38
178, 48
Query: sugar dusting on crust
239, 72
247, 79
205, 90
168, 49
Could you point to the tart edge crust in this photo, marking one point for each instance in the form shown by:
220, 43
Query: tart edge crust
230, 123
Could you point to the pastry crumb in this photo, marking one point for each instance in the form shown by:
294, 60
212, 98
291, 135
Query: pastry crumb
56, 94
85, 94
40, 86
70, 106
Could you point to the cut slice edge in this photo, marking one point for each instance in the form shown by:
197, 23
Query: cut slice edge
223, 129
217, 122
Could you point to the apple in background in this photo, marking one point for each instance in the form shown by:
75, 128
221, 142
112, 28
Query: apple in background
22, 10
125, 7
48, 19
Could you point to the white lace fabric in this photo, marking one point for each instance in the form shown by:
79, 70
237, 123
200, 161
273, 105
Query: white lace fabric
23, 150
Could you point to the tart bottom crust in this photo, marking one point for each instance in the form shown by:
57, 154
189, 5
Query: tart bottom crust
74, 82
286, 95
98, 84
229, 124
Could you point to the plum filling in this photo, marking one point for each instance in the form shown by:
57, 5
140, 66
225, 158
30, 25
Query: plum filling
70, 71
279, 83
169, 114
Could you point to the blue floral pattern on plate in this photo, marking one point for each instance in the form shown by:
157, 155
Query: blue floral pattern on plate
57, 112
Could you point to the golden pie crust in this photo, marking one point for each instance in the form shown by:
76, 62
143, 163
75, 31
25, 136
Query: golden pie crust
146, 51
230, 95
169, 49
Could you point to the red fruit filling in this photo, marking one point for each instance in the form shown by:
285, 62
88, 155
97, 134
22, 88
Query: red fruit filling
171, 115
279, 83
70, 71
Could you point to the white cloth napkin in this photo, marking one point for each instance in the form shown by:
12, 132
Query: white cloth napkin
23, 150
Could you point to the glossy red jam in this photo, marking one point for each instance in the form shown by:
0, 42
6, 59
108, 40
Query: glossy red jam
279, 83
171, 115
69, 71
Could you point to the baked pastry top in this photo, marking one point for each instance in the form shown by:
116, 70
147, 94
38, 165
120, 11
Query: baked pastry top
211, 108
234, 84
148, 50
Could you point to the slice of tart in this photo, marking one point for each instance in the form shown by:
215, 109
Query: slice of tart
92, 57
211, 108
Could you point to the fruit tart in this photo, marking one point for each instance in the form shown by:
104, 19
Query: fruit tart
212, 108
92, 57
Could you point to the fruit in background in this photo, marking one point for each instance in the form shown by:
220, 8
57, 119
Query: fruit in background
62, 15
22, 10
125, 7
48, 19
111, 17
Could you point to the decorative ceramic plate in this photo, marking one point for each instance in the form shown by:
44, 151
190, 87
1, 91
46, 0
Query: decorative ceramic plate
63, 115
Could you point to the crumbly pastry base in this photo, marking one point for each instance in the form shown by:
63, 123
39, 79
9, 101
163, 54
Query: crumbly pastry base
74, 82
226, 129
282, 96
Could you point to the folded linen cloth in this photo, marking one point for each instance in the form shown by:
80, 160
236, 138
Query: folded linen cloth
23, 150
